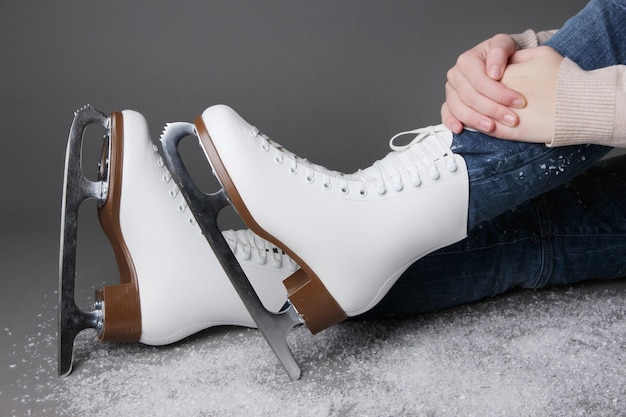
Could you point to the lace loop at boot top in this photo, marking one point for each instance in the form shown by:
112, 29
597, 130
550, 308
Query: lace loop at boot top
402, 165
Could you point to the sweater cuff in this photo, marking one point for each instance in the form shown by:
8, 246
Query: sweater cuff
531, 39
585, 105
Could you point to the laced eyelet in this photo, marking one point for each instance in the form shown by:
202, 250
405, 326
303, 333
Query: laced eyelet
293, 170
345, 190
363, 192
434, 173
292, 265
191, 221
167, 177
310, 179
278, 159
174, 192
327, 185
265, 146
182, 208
380, 188
416, 180
160, 163
247, 253
451, 165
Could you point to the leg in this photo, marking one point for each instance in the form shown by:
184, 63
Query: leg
594, 38
474, 268
556, 238
410, 203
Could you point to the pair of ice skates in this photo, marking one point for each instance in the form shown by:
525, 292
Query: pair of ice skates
323, 245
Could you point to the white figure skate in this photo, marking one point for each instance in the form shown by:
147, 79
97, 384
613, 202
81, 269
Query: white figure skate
334, 225
171, 284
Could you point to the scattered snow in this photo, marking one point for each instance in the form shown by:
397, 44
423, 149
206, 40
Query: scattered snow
531, 353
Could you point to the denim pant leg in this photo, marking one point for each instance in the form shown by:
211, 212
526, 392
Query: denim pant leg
595, 37
504, 174
511, 250
573, 233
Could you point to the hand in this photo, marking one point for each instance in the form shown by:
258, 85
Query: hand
474, 96
534, 73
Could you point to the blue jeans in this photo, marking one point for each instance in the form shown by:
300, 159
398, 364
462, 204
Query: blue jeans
572, 233
527, 228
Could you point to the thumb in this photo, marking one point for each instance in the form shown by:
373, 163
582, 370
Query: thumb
500, 49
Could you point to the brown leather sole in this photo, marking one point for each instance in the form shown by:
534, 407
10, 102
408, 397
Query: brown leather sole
121, 305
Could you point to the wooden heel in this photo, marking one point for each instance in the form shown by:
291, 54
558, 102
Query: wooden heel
120, 303
316, 306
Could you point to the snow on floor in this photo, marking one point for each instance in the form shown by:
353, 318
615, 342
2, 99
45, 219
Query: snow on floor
556, 352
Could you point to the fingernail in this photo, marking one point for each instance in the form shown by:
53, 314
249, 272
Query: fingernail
518, 102
509, 120
494, 72
485, 125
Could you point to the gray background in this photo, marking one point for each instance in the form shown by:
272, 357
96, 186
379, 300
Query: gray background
330, 80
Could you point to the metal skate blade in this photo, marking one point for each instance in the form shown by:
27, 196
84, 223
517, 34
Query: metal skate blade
205, 208
76, 189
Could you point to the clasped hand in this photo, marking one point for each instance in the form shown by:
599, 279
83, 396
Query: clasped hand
506, 93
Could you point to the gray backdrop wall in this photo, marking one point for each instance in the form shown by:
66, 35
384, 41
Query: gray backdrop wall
331, 80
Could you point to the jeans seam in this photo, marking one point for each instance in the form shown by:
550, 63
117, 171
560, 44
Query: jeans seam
545, 240
495, 245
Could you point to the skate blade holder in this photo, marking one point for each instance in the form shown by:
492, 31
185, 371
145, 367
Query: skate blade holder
205, 208
76, 189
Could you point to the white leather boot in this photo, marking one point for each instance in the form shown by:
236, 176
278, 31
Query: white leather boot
352, 235
171, 282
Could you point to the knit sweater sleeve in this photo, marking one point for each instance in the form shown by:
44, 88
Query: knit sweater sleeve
590, 105
530, 38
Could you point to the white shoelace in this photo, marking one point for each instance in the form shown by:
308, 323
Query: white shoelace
247, 245
421, 153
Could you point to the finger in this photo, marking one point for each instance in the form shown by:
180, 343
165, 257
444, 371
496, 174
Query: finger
450, 121
470, 73
501, 48
472, 108
465, 114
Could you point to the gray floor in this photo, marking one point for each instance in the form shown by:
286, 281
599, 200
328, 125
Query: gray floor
553, 352
332, 81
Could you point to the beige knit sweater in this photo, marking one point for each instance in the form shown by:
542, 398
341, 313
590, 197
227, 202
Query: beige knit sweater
590, 105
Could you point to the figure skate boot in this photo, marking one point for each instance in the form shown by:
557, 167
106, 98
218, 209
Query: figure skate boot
171, 284
334, 225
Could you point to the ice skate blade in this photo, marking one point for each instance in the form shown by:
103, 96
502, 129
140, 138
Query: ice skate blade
76, 189
205, 208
